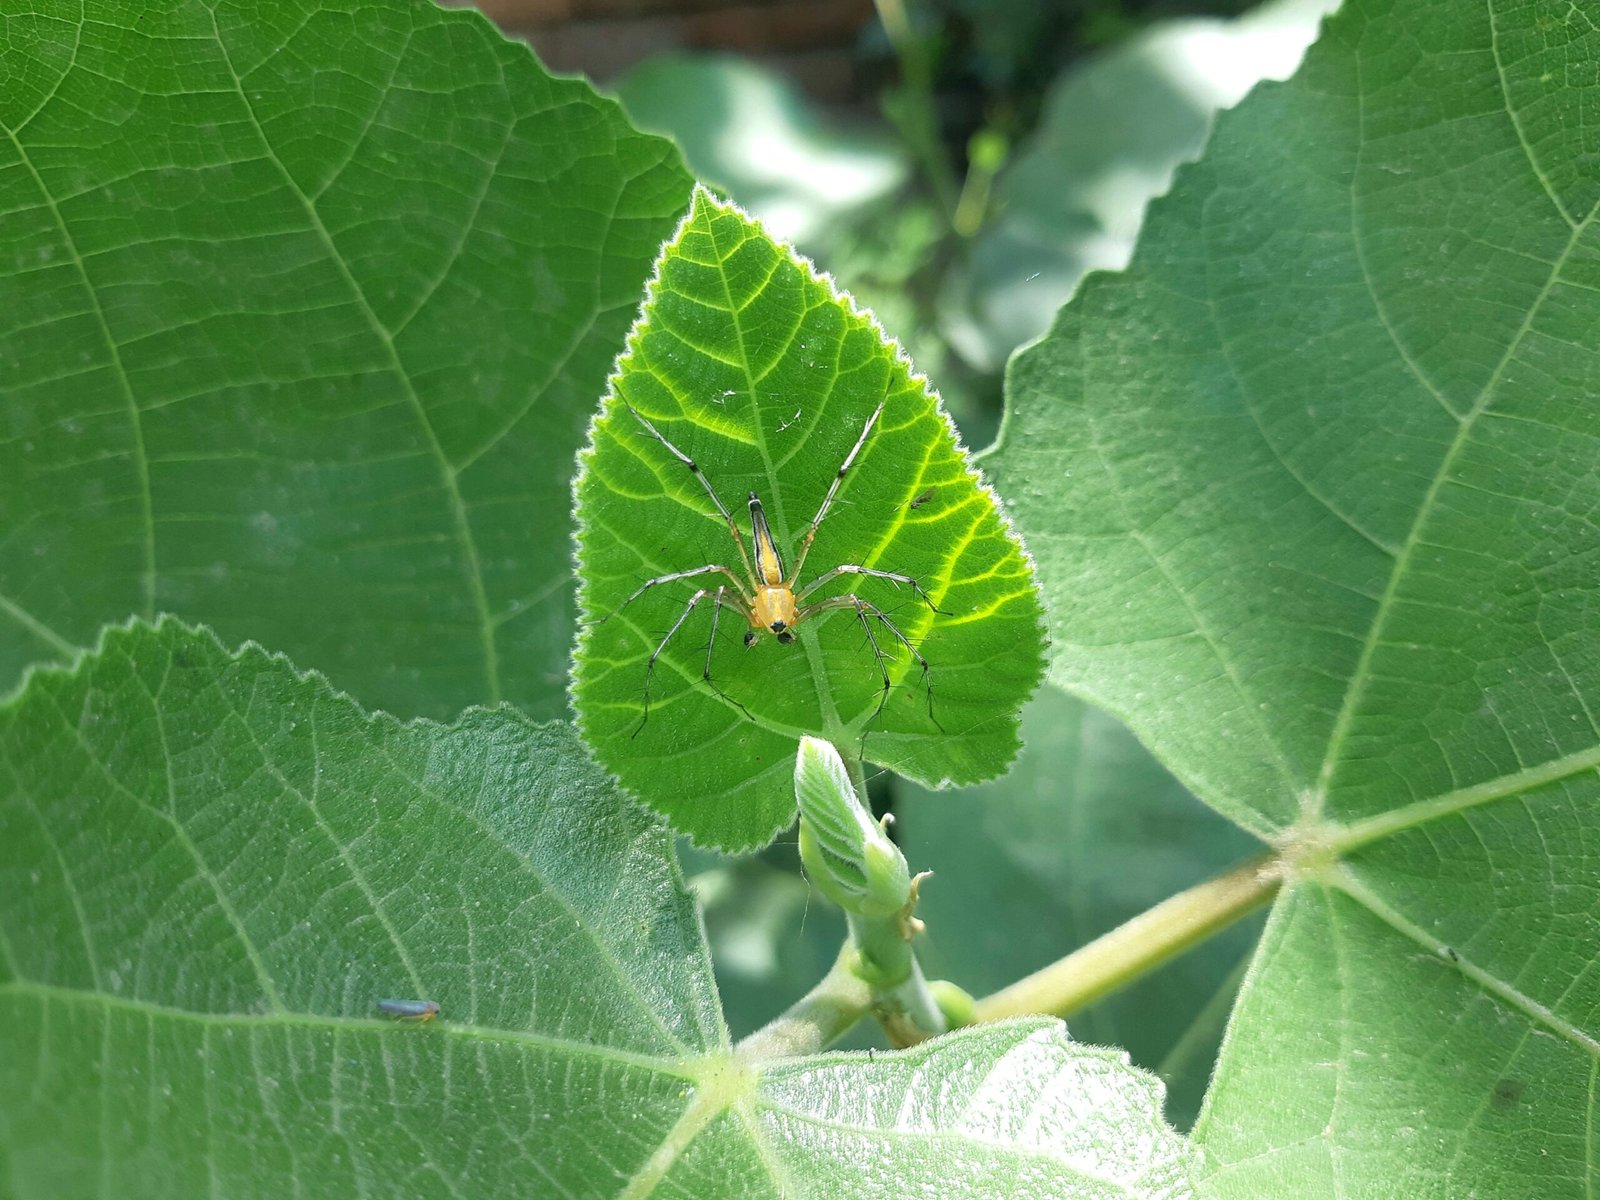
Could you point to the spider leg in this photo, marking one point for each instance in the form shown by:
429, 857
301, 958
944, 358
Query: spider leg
851, 569
716, 611
863, 610
644, 587
650, 667
833, 488
720, 598
694, 469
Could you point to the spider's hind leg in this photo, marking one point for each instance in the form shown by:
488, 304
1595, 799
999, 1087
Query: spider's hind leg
716, 611
867, 612
650, 667
720, 597
927, 682
893, 577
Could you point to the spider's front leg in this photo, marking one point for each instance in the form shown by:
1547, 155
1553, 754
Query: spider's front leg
720, 598
867, 612
893, 577
694, 469
693, 573
810, 533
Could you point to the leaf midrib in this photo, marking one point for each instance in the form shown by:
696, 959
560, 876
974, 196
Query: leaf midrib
1361, 675
679, 1067
833, 728
1351, 885
1347, 838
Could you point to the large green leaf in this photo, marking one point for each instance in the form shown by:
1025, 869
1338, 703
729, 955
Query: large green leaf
753, 366
212, 867
303, 309
1085, 832
1314, 494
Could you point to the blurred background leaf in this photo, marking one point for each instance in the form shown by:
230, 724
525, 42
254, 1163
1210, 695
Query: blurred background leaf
772, 937
752, 134
1112, 131
1084, 833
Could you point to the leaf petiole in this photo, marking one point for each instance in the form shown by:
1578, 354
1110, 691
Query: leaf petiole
1136, 947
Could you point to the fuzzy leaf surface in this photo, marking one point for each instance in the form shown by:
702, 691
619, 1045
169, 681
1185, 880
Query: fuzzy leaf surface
755, 368
1315, 496
212, 867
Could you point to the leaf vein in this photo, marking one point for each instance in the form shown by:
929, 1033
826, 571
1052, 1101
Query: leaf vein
1360, 676
471, 565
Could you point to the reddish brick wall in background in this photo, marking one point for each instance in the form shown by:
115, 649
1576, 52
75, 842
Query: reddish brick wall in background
814, 42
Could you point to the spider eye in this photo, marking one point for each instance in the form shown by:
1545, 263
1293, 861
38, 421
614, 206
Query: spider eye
785, 637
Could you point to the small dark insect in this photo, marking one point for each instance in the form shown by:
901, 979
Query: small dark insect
409, 1010
921, 498
1507, 1092
768, 597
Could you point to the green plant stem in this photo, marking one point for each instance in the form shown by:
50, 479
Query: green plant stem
912, 111
972, 204
817, 1019
908, 1012
1132, 949
986, 154
850, 859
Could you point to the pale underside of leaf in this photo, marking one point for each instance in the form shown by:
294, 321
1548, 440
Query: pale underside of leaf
1325, 535
198, 917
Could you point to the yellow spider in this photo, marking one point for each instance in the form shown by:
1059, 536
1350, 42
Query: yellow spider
770, 603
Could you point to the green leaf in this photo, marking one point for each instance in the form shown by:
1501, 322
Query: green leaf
212, 867
1013, 1109
1085, 832
1313, 490
752, 365
303, 310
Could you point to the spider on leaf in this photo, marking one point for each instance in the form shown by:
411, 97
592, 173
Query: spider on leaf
767, 597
